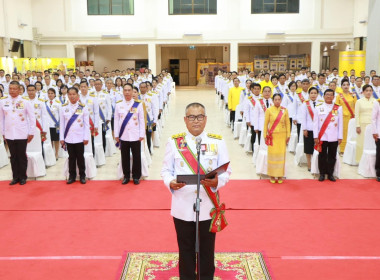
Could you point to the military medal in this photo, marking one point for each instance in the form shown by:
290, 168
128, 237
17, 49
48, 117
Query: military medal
36, 106
209, 169
182, 163
210, 162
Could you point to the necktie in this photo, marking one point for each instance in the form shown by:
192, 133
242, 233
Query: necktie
51, 102
314, 103
267, 103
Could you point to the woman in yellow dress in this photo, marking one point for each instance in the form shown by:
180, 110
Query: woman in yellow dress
277, 134
347, 100
363, 117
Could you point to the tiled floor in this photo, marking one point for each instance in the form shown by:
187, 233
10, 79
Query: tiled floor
241, 162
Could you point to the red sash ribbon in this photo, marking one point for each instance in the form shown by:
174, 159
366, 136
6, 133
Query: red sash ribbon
269, 136
43, 138
253, 101
300, 96
92, 128
309, 109
218, 220
263, 105
347, 105
326, 123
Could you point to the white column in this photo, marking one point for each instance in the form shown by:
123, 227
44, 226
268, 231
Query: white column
152, 58
373, 38
234, 56
70, 50
315, 56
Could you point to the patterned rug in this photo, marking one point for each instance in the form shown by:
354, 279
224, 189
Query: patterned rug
164, 266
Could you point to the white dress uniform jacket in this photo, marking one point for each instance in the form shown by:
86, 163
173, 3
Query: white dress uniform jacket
306, 120
259, 114
334, 131
151, 104
17, 119
54, 106
80, 129
376, 118
92, 106
105, 104
297, 106
40, 113
135, 129
173, 165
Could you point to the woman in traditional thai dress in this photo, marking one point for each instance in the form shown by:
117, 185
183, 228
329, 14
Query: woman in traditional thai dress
277, 134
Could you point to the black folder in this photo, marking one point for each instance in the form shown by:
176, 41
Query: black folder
191, 179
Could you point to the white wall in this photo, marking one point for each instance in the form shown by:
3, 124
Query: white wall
53, 51
11, 13
373, 42
108, 55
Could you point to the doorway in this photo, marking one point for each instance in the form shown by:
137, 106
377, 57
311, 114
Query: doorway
174, 70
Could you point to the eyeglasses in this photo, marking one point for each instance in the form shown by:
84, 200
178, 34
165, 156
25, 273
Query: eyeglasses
193, 118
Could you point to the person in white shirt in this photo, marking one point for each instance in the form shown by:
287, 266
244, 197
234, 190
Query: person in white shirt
300, 97
328, 134
376, 86
321, 85
2, 76
357, 88
249, 108
129, 132
302, 75
307, 117
53, 105
262, 104
74, 133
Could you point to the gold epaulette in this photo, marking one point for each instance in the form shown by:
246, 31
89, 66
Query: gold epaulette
250, 97
150, 94
104, 91
26, 98
306, 100
65, 104
321, 100
378, 99
179, 135
42, 100
92, 95
57, 101
119, 101
138, 101
3, 97
319, 104
215, 136
81, 104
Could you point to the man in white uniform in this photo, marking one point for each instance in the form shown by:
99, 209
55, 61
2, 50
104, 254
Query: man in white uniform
179, 160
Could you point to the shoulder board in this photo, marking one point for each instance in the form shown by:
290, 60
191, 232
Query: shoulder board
378, 99
56, 101
179, 135
104, 91
260, 97
43, 100
337, 104
81, 104
26, 98
250, 97
65, 104
119, 101
320, 100
92, 95
44, 90
3, 97
319, 104
138, 101
150, 94
215, 136
306, 100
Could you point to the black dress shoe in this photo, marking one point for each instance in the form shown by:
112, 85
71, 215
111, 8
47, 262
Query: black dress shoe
136, 181
321, 177
14, 182
82, 180
22, 182
331, 178
70, 181
125, 181
378, 179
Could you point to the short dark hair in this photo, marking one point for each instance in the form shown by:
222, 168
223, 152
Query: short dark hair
83, 82
312, 88
196, 105
75, 89
253, 85
305, 81
276, 94
14, 83
344, 80
321, 75
292, 83
328, 90
273, 77
29, 86
128, 84
367, 86
53, 90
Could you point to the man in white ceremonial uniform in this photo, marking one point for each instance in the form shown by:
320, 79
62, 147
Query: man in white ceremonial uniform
40, 112
129, 132
357, 88
376, 135
92, 106
321, 85
299, 99
2, 76
105, 108
74, 133
281, 87
49, 83
152, 108
328, 134
302, 75
376, 86
262, 104
17, 125
249, 109
180, 159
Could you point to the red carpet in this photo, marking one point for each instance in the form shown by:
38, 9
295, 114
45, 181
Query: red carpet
103, 218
